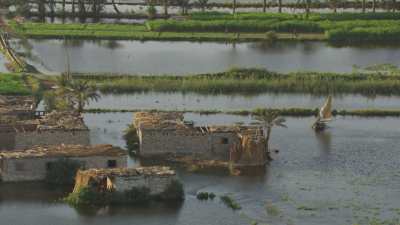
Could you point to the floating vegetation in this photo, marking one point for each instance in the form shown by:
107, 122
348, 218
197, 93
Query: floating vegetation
205, 196
230, 202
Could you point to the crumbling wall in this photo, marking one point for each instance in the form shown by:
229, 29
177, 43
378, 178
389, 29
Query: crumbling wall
155, 142
250, 151
221, 144
25, 140
156, 183
34, 169
7, 140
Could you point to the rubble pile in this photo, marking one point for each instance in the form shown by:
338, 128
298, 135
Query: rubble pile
62, 120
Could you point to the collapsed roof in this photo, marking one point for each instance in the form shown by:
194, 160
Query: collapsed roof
64, 151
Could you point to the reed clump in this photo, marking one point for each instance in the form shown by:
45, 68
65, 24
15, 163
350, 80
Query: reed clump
254, 81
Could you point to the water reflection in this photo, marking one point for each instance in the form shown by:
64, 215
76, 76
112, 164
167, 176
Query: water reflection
152, 57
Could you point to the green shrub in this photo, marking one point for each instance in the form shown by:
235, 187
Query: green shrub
84, 196
62, 172
132, 139
13, 84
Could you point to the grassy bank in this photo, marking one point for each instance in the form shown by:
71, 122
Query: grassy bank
346, 27
253, 81
338, 28
14, 84
292, 112
140, 32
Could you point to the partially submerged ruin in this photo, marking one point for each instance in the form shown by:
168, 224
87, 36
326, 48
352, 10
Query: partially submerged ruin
125, 186
156, 179
33, 164
51, 129
14, 108
168, 134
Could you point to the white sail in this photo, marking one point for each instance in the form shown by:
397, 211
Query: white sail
325, 113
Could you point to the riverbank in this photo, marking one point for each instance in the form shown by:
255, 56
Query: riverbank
252, 81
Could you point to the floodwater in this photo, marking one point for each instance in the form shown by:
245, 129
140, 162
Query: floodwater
348, 174
193, 101
152, 57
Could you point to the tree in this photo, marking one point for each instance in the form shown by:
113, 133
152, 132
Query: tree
279, 6
202, 4
234, 7
70, 94
264, 5
308, 6
269, 119
363, 5
82, 93
165, 8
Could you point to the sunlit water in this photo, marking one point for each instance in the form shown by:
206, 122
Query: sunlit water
341, 176
152, 57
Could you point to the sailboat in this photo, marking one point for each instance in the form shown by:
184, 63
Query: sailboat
324, 115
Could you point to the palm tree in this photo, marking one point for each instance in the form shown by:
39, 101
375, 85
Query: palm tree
269, 119
363, 5
264, 5
308, 8
82, 93
202, 4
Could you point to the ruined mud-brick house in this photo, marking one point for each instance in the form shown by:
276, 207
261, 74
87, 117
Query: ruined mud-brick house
52, 129
16, 108
168, 133
155, 178
33, 164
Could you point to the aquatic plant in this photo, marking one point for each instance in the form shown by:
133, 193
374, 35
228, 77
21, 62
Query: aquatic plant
205, 195
230, 202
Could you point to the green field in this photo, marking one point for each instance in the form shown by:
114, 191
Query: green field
342, 28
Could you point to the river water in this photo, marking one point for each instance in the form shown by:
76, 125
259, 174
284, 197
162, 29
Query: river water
193, 101
348, 174
152, 57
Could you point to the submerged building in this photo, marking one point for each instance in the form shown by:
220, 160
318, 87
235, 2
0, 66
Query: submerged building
168, 134
51, 129
14, 108
33, 164
156, 179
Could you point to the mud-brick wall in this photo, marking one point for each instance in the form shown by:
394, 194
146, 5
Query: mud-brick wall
34, 169
221, 144
7, 140
25, 140
156, 183
159, 142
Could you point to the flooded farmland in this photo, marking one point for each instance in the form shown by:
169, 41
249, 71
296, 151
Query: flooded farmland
152, 57
346, 175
